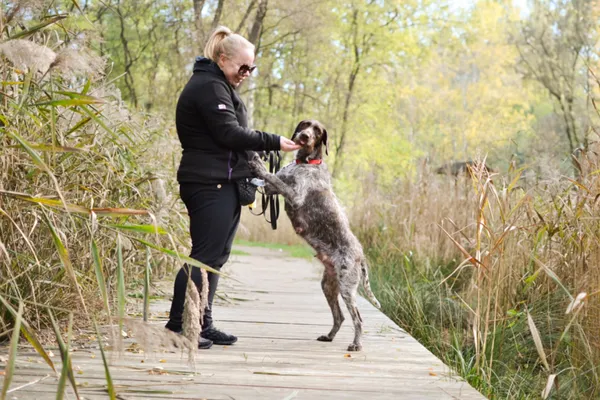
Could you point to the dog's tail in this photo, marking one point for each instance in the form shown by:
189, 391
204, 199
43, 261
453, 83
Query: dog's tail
367, 285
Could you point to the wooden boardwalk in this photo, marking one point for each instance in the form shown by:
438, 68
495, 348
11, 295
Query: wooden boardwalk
277, 311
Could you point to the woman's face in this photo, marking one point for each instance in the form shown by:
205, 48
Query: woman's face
237, 67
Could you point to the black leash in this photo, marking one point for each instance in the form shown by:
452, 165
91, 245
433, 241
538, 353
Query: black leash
271, 201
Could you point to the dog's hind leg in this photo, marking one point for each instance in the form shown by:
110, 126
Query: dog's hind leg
348, 284
331, 290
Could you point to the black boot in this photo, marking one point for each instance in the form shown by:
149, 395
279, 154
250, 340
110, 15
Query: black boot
175, 323
208, 330
202, 342
218, 337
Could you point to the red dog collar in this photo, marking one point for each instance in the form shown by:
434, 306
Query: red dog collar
315, 162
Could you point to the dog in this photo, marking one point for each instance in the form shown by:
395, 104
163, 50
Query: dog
318, 217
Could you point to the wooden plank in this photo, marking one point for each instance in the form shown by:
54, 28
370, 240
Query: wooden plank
313, 383
277, 310
228, 392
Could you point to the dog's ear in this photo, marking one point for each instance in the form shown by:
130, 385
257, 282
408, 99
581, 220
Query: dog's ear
324, 139
297, 129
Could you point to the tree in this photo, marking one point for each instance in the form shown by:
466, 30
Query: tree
198, 7
555, 43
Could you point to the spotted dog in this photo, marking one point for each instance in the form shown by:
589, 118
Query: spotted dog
317, 216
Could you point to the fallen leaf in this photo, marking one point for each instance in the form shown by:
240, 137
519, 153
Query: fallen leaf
93, 356
134, 348
432, 373
162, 360
347, 356
158, 371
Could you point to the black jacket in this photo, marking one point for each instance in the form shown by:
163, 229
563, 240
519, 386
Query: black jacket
213, 129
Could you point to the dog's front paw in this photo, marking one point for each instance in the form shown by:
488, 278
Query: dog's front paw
355, 347
255, 155
324, 338
257, 167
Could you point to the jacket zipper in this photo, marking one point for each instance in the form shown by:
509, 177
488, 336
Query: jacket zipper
229, 166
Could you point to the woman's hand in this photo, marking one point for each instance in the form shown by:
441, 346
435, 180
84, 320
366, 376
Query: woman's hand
287, 145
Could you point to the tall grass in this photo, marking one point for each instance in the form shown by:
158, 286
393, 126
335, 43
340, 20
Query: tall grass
499, 281
86, 210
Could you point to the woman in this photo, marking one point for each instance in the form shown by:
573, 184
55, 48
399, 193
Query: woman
213, 130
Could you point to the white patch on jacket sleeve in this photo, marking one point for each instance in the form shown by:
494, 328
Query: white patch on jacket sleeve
222, 107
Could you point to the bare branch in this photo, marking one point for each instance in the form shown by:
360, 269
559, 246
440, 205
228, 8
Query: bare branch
280, 38
246, 15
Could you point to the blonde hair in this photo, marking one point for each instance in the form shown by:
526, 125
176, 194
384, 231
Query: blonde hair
223, 41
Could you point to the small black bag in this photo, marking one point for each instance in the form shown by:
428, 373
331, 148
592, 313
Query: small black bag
246, 191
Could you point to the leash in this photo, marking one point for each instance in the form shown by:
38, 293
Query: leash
271, 202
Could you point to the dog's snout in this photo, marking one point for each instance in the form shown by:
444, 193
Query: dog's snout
304, 135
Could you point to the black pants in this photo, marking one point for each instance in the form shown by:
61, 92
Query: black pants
214, 212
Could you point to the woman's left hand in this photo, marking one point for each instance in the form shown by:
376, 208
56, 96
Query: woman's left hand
287, 145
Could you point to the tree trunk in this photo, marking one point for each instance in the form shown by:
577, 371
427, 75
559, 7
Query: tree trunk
254, 38
255, 32
337, 167
218, 13
198, 6
568, 131
250, 102
101, 30
128, 59
578, 141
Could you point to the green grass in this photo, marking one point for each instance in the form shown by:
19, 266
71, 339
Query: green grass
413, 295
237, 252
296, 250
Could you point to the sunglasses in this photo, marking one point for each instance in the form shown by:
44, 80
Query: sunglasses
245, 68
